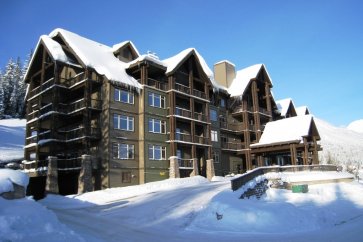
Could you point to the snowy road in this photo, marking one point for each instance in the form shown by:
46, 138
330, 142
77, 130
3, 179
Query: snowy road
167, 211
162, 215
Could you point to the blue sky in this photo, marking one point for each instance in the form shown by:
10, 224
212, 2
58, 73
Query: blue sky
313, 49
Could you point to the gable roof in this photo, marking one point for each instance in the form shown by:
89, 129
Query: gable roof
283, 105
175, 61
288, 130
303, 110
118, 46
243, 78
97, 56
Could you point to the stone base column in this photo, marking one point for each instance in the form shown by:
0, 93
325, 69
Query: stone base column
174, 167
195, 171
210, 169
85, 176
51, 185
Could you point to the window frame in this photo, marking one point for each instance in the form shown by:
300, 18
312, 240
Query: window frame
119, 118
152, 96
118, 94
155, 123
211, 116
130, 149
152, 148
214, 135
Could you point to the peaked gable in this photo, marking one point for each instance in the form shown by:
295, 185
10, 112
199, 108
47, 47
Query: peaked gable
173, 63
97, 56
243, 79
125, 51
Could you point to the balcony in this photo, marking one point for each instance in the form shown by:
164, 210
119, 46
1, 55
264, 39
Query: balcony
199, 94
200, 116
183, 112
231, 146
236, 127
157, 84
185, 163
182, 88
201, 139
183, 137
240, 109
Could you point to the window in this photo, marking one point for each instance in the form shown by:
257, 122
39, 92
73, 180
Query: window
214, 135
123, 122
223, 102
123, 151
213, 115
126, 177
157, 126
157, 152
156, 100
124, 96
215, 157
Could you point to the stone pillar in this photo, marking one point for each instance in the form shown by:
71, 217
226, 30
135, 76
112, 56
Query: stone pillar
210, 169
195, 168
51, 185
85, 176
174, 167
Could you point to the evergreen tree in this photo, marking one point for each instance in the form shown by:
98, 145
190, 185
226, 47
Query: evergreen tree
1, 95
8, 85
14, 97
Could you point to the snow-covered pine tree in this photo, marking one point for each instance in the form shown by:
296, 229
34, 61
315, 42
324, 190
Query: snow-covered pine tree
1, 96
23, 87
14, 97
8, 85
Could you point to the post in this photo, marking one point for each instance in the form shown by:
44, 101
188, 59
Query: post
195, 168
85, 176
52, 176
174, 167
210, 169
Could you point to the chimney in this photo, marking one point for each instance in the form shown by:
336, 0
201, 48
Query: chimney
224, 73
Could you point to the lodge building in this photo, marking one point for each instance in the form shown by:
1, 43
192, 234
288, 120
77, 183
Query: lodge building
136, 119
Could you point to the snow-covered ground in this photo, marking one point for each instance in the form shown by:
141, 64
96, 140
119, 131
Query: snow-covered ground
186, 209
12, 138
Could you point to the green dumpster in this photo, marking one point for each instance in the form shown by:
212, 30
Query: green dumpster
301, 188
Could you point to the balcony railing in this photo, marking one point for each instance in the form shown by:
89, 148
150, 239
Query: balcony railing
240, 109
201, 139
183, 112
231, 145
185, 163
157, 84
183, 137
200, 117
199, 94
231, 126
182, 88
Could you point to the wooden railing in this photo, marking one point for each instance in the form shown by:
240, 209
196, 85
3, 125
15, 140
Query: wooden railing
157, 84
185, 163
231, 146
245, 178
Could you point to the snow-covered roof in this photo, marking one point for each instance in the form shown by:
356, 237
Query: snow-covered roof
283, 105
97, 56
116, 47
173, 62
55, 49
292, 129
303, 110
243, 78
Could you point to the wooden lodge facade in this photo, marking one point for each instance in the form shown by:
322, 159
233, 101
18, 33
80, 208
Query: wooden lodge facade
139, 119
